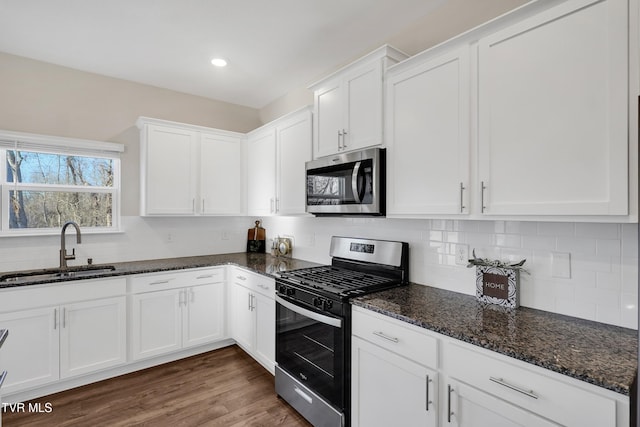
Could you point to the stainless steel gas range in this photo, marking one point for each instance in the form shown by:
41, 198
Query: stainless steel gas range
313, 324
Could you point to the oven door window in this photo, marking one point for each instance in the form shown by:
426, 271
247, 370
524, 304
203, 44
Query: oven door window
345, 184
312, 352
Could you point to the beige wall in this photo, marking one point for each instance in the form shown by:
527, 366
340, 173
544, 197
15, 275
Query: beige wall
453, 17
42, 98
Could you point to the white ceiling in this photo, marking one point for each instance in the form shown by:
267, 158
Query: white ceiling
273, 46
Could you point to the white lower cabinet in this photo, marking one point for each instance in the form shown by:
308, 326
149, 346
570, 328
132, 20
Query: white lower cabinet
470, 407
406, 375
253, 315
61, 331
389, 389
172, 311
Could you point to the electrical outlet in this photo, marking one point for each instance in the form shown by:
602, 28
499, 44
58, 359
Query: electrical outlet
169, 238
462, 254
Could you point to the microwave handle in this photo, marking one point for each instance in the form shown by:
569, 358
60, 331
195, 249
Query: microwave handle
354, 182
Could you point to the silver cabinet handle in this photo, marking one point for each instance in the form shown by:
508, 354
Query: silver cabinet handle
2, 377
204, 276
427, 398
241, 278
339, 136
180, 298
502, 382
249, 302
55, 319
277, 204
193, 295
449, 412
482, 190
202, 205
64, 317
193, 205
160, 282
344, 144
271, 204
462, 206
386, 337
265, 287
304, 395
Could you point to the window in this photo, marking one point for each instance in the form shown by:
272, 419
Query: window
47, 181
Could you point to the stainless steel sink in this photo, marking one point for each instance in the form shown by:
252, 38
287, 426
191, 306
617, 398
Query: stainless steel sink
55, 274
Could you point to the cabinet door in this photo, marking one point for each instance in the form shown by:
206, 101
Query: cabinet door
428, 137
92, 336
467, 406
169, 177
388, 389
553, 127
328, 119
261, 172
203, 314
221, 175
156, 323
30, 353
243, 327
265, 312
363, 107
294, 149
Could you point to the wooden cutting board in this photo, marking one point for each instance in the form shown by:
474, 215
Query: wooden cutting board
256, 239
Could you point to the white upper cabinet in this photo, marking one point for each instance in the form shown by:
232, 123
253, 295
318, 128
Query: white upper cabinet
348, 105
427, 135
276, 158
261, 170
553, 113
190, 170
221, 184
167, 173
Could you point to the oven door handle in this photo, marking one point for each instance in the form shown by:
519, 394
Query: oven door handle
332, 321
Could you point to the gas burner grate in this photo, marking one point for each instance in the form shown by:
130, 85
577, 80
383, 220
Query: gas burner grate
336, 280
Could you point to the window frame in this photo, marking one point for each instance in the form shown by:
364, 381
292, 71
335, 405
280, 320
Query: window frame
60, 146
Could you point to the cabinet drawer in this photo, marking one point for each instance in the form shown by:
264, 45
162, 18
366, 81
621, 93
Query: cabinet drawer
399, 337
175, 279
255, 282
157, 282
514, 382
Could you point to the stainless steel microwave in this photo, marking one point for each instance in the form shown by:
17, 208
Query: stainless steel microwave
347, 184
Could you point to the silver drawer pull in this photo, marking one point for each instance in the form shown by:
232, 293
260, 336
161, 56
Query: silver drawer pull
241, 277
304, 395
263, 286
160, 282
205, 276
502, 382
386, 337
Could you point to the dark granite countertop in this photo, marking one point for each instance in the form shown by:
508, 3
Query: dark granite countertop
4, 333
260, 263
597, 353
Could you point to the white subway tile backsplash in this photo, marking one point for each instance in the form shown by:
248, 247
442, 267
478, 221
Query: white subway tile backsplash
556, 229
597, 230
603, 257
539, 242
580, 245
507, 240
609, 247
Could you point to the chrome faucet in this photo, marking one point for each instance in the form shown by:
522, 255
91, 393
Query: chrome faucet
64, 257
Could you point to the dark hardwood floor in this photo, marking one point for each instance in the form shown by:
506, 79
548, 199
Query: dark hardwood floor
225, 387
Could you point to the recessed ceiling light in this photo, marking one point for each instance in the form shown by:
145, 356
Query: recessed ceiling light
219, 62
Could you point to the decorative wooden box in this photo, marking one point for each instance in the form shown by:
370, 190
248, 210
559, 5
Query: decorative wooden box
498, 285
